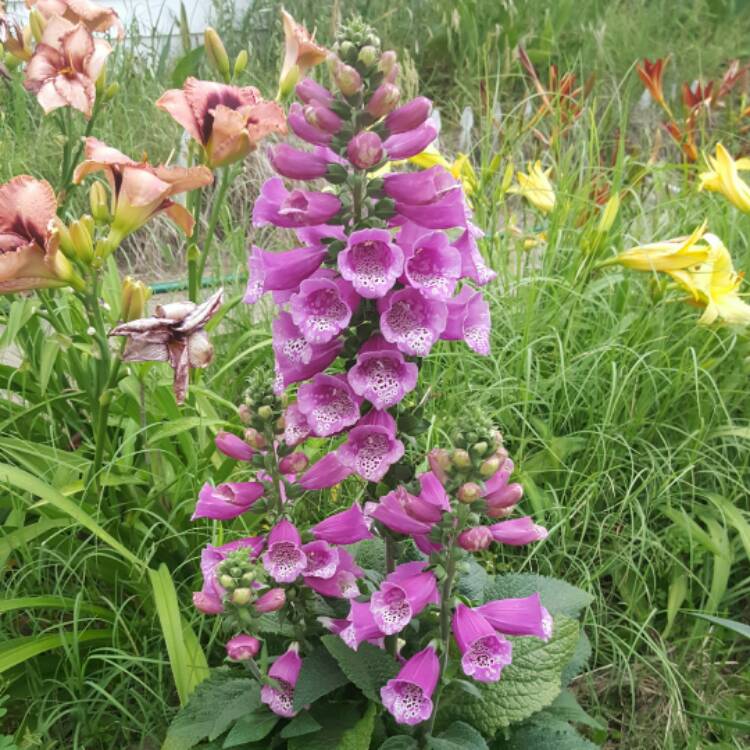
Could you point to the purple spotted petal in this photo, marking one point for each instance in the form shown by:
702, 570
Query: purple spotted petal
408, 696
371, 262
285, 671
329, 404
473, 265
411, 321
469, 319
369, 451
433, 267
484, 653
402, 597
361, 627
322, 308
322, 559
227, 500
303, 129
284, 559
296, 429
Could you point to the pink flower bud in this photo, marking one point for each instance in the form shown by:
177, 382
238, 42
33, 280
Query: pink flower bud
461, 458
346, 78
365, 150
507, 497
387, 62
409, 116
476, 539
271, 601
242, 647
384, 99
294, 463
233, 446
440, 463
490, 466
254, 438
321, 117
245, 414
469, 492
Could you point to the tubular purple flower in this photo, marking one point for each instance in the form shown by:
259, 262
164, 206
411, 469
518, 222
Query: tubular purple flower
285, 670
365, 150
298, 208
408, 696
302, 128
371, 449
361, 627
272, 601
343, 583
484, 653
322, 559
409, 116
402, 596
284, 559
432, 490
273, 272
501, 500
315, 235
434, 267
327, 472
233, 446
469, 319
346, 527
346, 77
410, 143
322, 118
311, 91
381, 374
524, 616
383, 100
411, 321
297, 164
473, 265
296, 429
391, 511
294, 463
329, 404
518, 532
475, 539
323, 307
420, 188
371, 262
227, 500
448, 211
242, 647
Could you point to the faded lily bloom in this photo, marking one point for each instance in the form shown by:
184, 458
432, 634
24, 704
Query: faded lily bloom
65, 65
408, 696
140, 190
536, 187
227, 500
484, 652
723, 177
176, 334
29, 254
300, 54
93, 16
228, 121
285, 671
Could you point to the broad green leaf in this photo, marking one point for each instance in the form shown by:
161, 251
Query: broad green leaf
189, 665
738, 627
187, 66
25, 481
369, 668
53, 602
558, 596
579, 660
546, 732
251, 728
300, 725
320, 675
566, 708
181, 426
531, 682
18, 650
360, 735
335, 720
473, 583
401, 742
458, 736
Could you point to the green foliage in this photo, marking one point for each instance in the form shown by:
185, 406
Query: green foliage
458, 736
320, 675
545, 732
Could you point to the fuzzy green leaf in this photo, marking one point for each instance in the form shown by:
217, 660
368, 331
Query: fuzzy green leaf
251, 728
300, 725
320, 675
546, 732
458, 736
402, 742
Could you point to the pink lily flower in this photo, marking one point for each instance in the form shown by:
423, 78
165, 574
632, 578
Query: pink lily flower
300, 53
93, 16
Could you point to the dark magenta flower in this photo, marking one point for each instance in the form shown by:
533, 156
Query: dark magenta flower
346, 527
227, 500
408, 696
411, 321
329, 404
484, 653
410, 143
343, 583
518, 532
233, 446
274, 272
473, 265
525, 616
384, 99
448, 211
297, 164
285, 671
402, 596
419, 188
322, 559
284, 559
323, 307
371, 262
409, 116
272, 601
242, 647
433, 266
361, 627
392, 512
371, 447
311, 91
326, 472
469, 319
302, 128
298, 208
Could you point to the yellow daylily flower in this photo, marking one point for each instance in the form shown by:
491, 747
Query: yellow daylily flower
723, 178
536, 187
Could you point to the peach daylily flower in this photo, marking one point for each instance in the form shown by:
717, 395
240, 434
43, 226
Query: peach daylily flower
65, 65
29, 257
228, 121
140, 190
300, 53
93, 16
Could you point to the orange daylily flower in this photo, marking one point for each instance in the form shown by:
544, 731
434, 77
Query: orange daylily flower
694, 96
300, 53
685, 139
651, 73
93, 16
228, 121
140, 190
65, 65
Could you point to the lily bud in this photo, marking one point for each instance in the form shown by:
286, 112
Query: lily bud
37, 24
242, 597
135, 294
469, 492
66, 243
254, 439
216, 53
83, 244
99, 203
111, 91
240, 63
609, 214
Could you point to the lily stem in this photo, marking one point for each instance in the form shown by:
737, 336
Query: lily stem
213, 220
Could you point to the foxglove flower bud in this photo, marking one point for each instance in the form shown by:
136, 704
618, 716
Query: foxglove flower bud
254, 438
234, 447
271, 601
365, 150
409, 116
383, 101
346, 78
476, 539
242, 647
469, 492
294, 463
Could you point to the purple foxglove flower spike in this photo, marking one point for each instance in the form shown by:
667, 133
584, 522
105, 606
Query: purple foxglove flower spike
327, 472
297, 164
469, 319
524, 616
434, 267
284, 559
411, 321
285, 670
298, 208
475, 539
484, 653
322, 559
303, 129
423, 187
372, 262
473, 265
272, 601
381, 374
362, 626
242, 647
410, 143
370, 449
402, 596
311, 91
319, 116
408, 696
365, 150
322, 308
227, 500
502, 502
343, 583
383, 100
233, 446
329, 404
347, 527
272, 272
296, 429
446, 212
391, 511
409, 116
518, 532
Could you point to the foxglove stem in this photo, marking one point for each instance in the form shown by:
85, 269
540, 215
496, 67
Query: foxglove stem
391, 641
